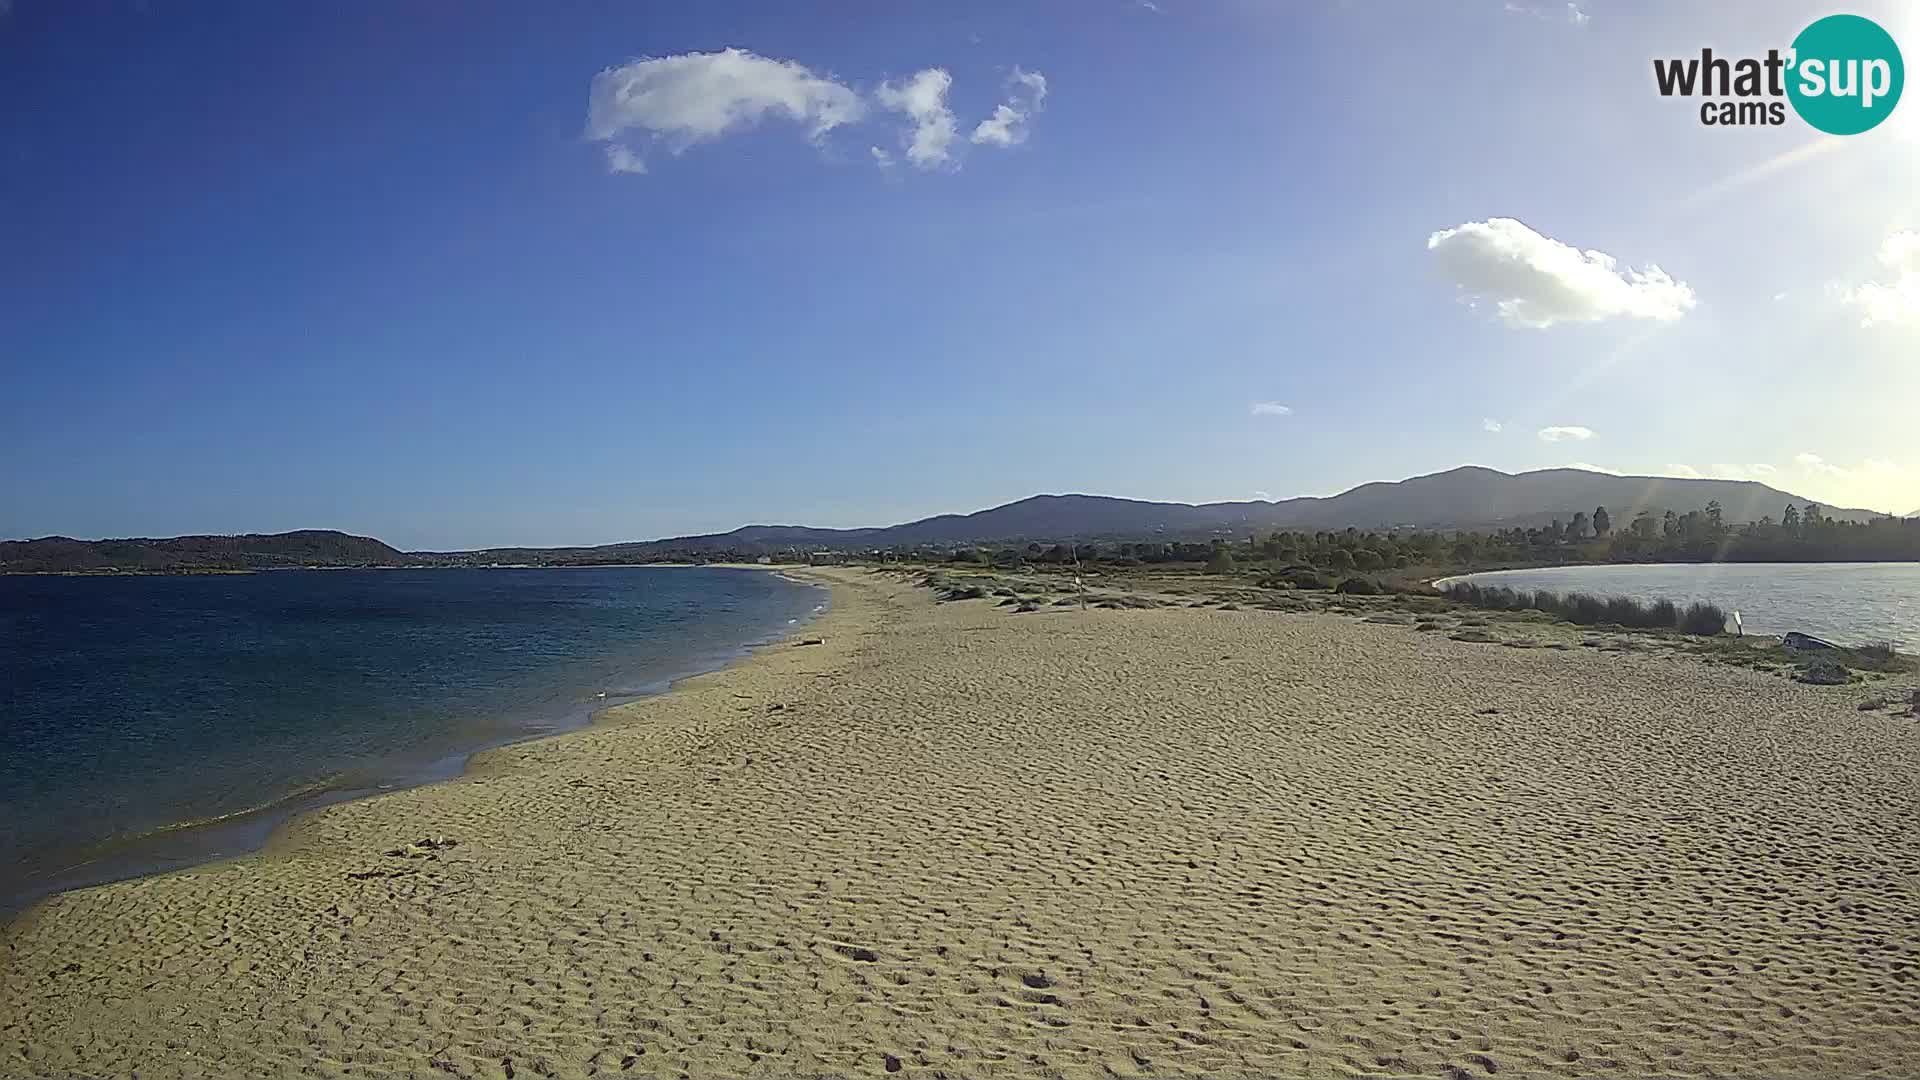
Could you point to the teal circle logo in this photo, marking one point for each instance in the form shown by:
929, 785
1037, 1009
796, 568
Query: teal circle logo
1846, 74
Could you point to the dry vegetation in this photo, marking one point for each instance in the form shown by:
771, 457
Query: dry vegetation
1563, 624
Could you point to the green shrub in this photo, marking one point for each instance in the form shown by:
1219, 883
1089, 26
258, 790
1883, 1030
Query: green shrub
1881, 651
1878, 656
1824, 672
1358, 586
1622, 611
1296, 577
1587, 610
1582, 609
1493, 598
1703, 619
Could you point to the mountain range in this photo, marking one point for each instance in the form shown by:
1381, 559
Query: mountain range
1466, 497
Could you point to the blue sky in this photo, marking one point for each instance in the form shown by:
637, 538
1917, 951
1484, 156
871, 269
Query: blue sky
369, 266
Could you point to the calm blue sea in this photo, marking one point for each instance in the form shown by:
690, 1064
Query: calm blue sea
131, 706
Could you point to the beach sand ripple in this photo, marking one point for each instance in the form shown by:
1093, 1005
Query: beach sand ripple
955, 841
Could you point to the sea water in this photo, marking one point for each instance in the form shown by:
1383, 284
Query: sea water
151, 722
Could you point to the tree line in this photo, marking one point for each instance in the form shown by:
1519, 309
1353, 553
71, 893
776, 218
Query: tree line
1802, 533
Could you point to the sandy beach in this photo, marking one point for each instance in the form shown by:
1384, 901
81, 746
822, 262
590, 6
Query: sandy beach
954, 841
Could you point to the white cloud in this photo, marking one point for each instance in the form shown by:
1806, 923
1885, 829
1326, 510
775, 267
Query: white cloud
923, 99
1148, 4
1570, 14
1026, 95
1490, 424
1261, 494
1875, 484
1722, 470
1590, 467
1819, 466
1535, 281
622, 159
1897, 299
1814, 463
1563, 432
1271, 408
696, 97
681, 100
1006, 127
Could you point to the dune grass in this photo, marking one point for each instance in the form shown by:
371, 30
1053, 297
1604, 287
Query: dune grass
1585, 609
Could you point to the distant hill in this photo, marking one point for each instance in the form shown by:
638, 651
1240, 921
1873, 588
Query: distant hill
1466, 497
1475, 497
747, 540
307, 547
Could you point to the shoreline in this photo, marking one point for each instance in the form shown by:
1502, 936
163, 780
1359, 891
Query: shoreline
955, 839
286, 837
119, 571
183, 845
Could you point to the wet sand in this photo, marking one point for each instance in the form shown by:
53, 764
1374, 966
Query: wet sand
951, 840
